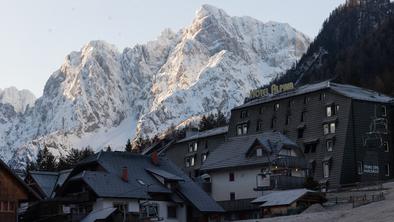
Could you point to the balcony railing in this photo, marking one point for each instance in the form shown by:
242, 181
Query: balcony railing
283, 182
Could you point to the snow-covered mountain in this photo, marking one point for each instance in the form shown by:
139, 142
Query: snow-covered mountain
19, 99
101, 96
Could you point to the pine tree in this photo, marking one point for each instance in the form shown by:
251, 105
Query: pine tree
129, 147
46, 160
108, 149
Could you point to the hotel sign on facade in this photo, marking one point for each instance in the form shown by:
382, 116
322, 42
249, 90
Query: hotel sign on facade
273, 89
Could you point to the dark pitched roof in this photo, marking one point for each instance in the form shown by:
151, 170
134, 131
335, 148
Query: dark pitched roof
108, 183
48, 181
350, 91
206, 133
233, 152
45, 180
19, 180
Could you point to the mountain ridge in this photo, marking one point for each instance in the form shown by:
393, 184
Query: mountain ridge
102, 96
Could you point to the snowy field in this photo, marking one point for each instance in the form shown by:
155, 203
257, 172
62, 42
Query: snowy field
382, 211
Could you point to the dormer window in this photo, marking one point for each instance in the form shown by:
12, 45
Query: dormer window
244, 114
259, 152
383, 111
276, 107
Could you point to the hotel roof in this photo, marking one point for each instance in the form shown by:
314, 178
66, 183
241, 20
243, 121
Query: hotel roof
206, 133
350, 91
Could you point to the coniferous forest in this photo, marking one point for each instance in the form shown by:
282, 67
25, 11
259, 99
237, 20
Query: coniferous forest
355, 46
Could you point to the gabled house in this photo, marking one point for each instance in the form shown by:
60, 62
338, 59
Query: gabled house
15, 195
130, 187
243, 167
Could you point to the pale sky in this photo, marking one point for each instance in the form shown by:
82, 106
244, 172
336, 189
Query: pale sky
36, 35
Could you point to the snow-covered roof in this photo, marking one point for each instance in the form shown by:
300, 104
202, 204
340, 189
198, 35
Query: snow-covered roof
350, 91
280, 198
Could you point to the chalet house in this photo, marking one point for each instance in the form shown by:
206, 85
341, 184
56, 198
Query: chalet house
14, 194
346, 132
191, 152
121, 186
287, 202
241, 168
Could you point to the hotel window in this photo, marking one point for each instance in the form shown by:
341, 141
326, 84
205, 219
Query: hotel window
328, 111
276, 107
232, 196
259, 126
204, 157
322, 96
329, 128
332, 127
244, 114
245, 129
300, 133
231, 177
383, 111
171, 211
190, 161
239, 130
386, 146
259, 152
310, 148
273, 123
193, 147
359, 167
306, 99
326, 169
330, 145
242, 129
387, 170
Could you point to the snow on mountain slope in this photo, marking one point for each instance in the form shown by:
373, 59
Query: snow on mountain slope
19, 99
101, 96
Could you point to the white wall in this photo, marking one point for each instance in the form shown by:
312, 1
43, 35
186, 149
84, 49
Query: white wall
242, 186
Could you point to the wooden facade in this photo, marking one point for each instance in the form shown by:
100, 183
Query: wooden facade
335, 156
13, 192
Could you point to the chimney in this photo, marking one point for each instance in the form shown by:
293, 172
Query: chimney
125, 174
155, 158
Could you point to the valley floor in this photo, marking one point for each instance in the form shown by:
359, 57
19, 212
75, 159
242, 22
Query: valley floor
382, 211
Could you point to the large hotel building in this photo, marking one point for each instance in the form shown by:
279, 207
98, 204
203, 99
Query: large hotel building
345, 131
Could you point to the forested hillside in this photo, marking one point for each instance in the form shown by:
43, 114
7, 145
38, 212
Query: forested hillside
355, 46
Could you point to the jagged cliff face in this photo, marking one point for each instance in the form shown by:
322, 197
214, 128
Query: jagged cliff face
20, 100
101, 96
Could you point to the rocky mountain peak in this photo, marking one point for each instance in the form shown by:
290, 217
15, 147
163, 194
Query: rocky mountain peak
19, 99
102, 97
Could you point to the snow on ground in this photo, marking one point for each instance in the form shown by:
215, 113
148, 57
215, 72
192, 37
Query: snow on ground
382, 211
